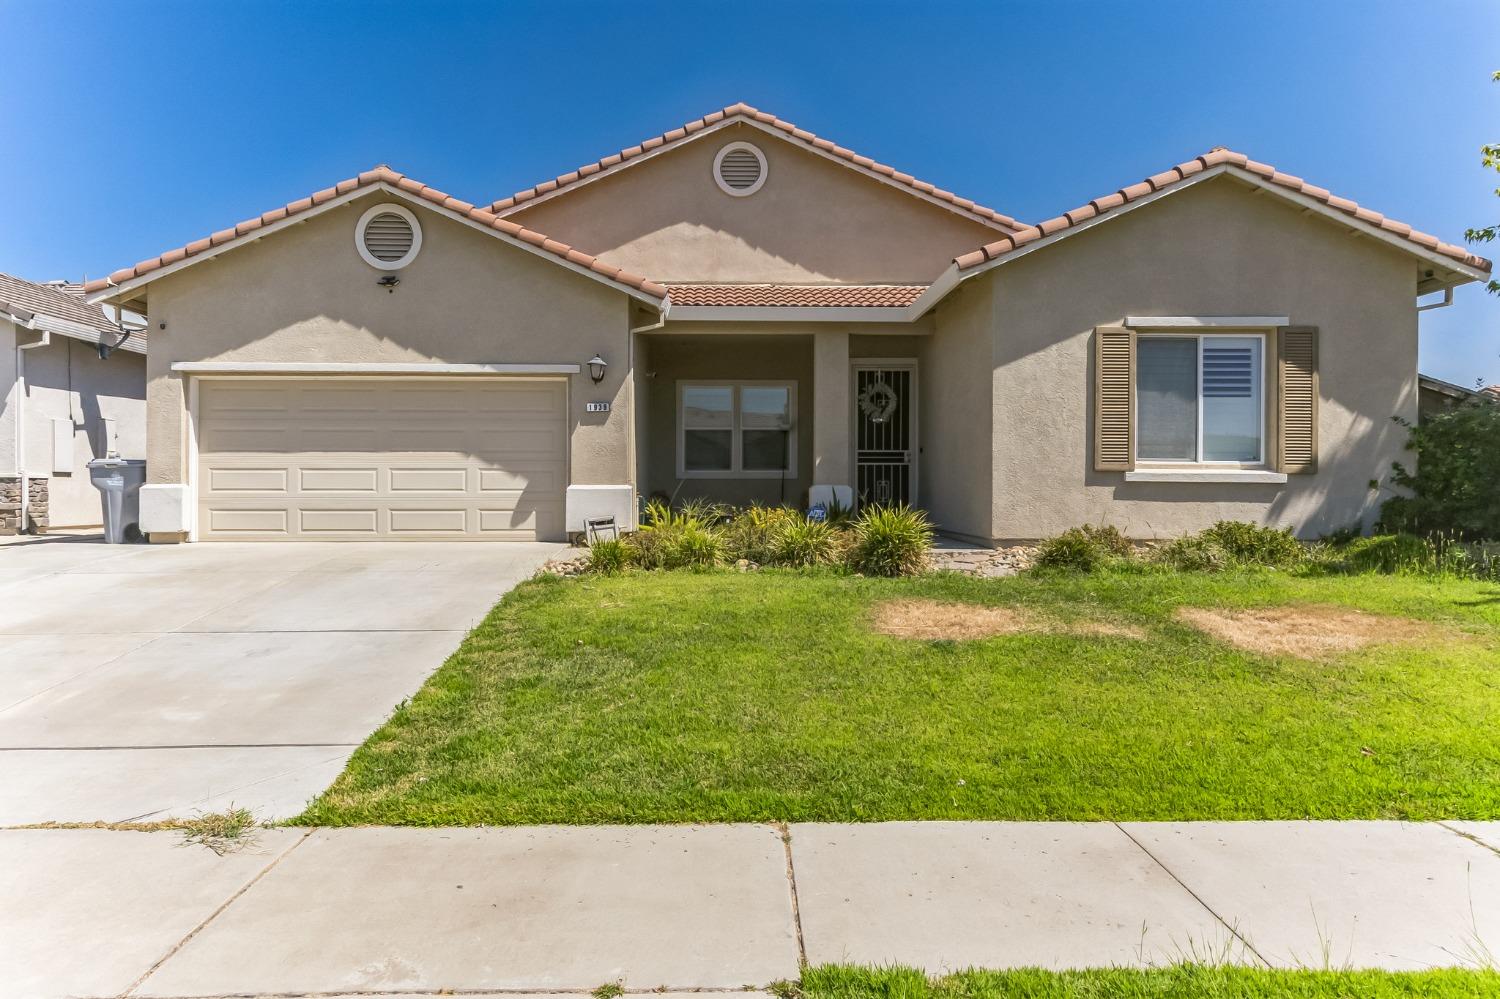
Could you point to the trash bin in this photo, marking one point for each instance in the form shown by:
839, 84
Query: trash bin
119, 483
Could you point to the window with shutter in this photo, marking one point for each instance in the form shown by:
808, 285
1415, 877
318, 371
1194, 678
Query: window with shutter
1114, 399
1297, 395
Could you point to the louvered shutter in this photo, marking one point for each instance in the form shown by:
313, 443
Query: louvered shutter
1114, 399
1297, 395
388, 236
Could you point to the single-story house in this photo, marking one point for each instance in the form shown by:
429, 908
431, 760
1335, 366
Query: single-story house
741, 310
1435, 395
74, 384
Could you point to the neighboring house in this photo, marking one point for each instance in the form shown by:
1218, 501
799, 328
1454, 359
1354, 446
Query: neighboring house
1435, 395
73, 391
768, 315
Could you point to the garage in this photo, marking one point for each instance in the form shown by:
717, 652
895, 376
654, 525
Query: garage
327, 459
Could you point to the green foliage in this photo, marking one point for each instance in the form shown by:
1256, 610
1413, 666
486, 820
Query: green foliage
1412, 555
1072, 549
1250, 544
755, 532
890, 541
804, 543
1193, 553
1489, 158
608, 557
1455, 488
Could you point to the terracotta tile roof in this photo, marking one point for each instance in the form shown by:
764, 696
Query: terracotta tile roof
879, 296
747, 113
383, 174
1182, 172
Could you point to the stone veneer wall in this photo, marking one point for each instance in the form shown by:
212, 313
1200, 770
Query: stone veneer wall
10, 505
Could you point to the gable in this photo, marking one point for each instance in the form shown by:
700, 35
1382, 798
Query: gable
812, 221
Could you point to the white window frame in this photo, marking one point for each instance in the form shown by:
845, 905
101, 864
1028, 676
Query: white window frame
736, 468
1260, 387
741, 192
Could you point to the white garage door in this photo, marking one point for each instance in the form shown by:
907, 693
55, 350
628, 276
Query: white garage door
381, 459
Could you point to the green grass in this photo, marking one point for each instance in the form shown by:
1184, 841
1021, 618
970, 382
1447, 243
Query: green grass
722, 696
1185, 981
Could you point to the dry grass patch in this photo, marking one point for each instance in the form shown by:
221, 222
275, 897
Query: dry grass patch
936, 620
1307, 631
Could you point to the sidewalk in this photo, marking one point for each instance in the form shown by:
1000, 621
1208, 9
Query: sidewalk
566, 909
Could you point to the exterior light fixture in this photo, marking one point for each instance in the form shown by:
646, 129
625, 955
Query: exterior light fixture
597, 365
389, 282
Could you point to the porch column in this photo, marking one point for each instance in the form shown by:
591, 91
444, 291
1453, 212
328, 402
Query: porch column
830, 410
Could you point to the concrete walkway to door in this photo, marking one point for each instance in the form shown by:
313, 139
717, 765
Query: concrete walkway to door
147, 681
92, 912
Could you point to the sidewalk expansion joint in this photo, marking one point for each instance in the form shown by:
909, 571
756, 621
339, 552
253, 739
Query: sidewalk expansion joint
1196, 897
215, 914
791, 882
1471, 838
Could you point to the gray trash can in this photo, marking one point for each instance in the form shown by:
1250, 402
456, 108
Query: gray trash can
119, 483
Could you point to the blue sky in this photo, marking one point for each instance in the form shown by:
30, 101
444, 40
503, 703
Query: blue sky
131, 128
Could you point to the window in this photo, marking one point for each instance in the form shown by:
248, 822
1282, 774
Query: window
1200, 399
736, 430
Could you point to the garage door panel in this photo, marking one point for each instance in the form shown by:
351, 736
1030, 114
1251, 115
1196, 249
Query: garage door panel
382, 459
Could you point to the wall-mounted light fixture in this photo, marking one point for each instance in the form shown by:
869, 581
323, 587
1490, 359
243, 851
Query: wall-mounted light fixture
389, 283
597, 365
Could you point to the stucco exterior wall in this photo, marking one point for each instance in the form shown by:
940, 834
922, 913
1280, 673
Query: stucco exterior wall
304, 294
66, 380
956, 434
1214, 249
725, 357
812, 221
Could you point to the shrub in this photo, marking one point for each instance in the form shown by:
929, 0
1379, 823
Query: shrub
805, 543
608, 557
1457, 479
670, 539
755, 533
1193, 553
692, 546
890, 541
1251, 544
1072, 549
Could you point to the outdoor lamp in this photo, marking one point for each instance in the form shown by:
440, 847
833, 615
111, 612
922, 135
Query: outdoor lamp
597, 365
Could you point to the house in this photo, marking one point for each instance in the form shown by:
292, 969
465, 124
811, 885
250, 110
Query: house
741, 310
1435, 395
74, 386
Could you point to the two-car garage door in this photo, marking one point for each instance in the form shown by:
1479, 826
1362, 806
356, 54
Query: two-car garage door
381, 459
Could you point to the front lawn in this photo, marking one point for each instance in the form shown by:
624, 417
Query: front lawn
724, 696
1186, 981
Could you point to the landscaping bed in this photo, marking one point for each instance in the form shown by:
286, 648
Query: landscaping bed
792, 695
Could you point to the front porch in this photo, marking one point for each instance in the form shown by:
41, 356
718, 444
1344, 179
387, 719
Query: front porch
765, 418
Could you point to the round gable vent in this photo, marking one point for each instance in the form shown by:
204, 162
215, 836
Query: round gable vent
740, 169
388, 237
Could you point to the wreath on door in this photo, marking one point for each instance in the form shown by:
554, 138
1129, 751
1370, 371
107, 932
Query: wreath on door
878, 402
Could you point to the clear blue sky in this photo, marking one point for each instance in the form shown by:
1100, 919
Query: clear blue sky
131, 128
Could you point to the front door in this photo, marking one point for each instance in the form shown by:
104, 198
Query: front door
885, 433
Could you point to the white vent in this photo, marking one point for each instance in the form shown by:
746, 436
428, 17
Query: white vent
740, 169
388, 237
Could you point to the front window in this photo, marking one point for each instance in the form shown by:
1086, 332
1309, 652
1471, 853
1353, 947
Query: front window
736, 430
1200, 399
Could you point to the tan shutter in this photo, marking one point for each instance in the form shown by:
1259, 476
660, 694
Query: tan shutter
1114, 399
1297, 392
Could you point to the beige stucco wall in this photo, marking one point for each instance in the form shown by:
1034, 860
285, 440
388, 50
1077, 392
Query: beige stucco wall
719, 357
956, 434
812, 221
304, 294
1214, 249
66, 380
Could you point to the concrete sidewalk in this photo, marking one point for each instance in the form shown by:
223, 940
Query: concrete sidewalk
86, 912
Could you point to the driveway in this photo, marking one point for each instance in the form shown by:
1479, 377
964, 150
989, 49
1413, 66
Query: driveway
145, 681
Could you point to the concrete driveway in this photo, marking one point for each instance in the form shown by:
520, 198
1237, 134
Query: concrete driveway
141, 682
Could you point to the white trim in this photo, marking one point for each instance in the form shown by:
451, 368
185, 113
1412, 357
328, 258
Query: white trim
736, 430
363, 368
794, 314
1208, 322
1239, 173
730, 121
388, 209
738, 192
1204, 475
119, 290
